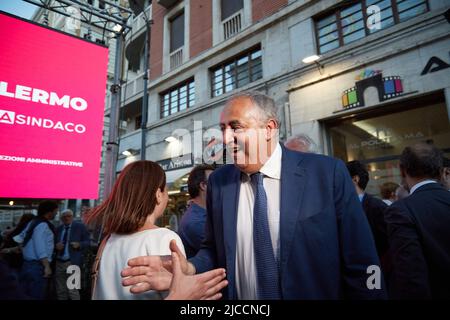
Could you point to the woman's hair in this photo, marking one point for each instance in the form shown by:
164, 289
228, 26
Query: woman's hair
132, 199
23, 222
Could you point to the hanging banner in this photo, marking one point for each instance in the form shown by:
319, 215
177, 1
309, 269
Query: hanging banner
52, 97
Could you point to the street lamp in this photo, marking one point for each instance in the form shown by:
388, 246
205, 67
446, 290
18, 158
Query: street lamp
130, 152
313, 58
170, 139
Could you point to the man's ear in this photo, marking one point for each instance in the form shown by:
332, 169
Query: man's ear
202, 186
355, 179
272, 129
402, 172
446, 171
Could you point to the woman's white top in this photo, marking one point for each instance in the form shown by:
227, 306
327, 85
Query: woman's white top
121, 248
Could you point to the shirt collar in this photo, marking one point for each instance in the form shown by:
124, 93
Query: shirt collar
361, 197
272, 168
422, 183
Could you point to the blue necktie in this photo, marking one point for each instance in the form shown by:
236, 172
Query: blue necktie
266, 265
64, 240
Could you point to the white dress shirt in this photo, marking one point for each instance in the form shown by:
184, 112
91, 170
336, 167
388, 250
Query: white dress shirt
418, 185
246, 278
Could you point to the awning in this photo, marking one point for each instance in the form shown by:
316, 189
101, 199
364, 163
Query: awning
173, 175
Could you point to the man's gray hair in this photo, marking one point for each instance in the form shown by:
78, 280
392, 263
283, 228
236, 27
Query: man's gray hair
304, 139
67, 211
265, 103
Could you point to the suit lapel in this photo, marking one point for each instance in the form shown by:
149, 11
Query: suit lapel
293, 180
230, 201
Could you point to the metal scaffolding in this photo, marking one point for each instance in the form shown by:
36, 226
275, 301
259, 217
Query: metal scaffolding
102, 18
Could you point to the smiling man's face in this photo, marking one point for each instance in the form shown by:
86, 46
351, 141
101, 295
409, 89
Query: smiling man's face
246, 134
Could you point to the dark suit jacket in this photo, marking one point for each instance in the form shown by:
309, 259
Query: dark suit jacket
325, 241
419, 239
78, 233
374, 209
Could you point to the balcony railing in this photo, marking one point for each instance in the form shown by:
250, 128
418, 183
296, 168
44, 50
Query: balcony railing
232, 25
139, 22
133, 87
130, 140
176, 58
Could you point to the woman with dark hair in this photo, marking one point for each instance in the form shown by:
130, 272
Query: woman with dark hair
128, 216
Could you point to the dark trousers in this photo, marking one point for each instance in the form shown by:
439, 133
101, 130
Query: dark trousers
32, 280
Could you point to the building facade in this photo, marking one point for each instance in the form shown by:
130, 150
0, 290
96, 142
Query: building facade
382, 81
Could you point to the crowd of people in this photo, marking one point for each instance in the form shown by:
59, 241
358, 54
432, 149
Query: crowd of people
285, 223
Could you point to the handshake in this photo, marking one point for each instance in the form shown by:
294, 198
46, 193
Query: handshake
175, 274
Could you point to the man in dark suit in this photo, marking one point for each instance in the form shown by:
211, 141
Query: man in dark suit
419, 229
284, 224
373, 207
72, 238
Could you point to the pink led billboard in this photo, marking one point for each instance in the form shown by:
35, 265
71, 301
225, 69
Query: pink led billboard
52, 94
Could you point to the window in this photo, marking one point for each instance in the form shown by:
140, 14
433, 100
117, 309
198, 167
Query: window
348, 24
236, 73
178, 98
230, 7
177, 32
137, 122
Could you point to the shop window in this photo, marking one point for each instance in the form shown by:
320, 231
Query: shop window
378, 141
349, 23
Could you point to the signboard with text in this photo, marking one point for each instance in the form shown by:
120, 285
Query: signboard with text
52, 93
184, 161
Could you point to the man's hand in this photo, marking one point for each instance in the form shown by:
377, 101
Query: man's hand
146, 273
204, 286
153, 272
59, 246
75, 245
47, 269
10, 250
47, 272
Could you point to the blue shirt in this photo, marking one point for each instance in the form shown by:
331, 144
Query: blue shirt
192, 229
41, 244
